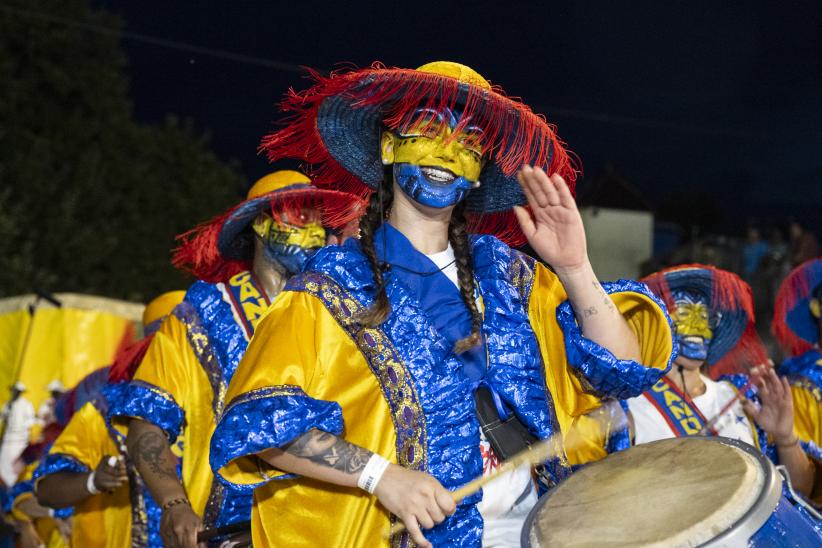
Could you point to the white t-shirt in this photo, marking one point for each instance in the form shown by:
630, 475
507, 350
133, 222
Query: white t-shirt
507, 500
650, 425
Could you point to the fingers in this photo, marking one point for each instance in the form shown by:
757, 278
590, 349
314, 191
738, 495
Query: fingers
414, 531
445, 501
525, 221
563, 191
786, 386
750, 409
535, 185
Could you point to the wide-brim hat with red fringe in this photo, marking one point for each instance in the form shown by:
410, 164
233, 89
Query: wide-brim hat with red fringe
335, 126
793, 325
736, 345
216, 250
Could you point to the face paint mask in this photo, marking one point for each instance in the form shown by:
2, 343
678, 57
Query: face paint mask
432, 166
693, 326
289, 245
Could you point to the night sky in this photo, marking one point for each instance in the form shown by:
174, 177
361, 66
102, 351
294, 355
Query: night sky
695, 101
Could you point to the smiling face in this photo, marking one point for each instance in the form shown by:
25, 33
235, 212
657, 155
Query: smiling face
693, 325
433, 165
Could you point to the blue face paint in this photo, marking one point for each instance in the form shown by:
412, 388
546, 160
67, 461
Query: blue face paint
292, 257
416, 181
432, 165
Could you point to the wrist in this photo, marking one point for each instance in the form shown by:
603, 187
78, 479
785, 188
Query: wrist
175, 502
372, 473
572, 272
90, 486
786, 442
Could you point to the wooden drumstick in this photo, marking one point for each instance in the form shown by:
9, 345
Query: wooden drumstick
533, 455
724, 409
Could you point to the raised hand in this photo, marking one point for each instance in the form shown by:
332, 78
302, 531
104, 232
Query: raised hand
555, 231
775, 414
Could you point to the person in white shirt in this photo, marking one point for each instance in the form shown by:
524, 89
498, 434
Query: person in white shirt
712, 311
18, 417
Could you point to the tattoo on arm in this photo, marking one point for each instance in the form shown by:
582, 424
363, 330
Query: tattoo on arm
328, 450
606, 299
588, 312
151, 447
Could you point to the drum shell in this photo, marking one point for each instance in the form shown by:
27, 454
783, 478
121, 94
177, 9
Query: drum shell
771, 520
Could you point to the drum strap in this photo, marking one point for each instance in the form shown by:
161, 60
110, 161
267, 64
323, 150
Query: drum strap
505, 432
677, 408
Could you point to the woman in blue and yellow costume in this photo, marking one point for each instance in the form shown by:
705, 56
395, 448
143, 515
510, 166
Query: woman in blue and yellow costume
401, 330
797, 326
242, 259
86, 468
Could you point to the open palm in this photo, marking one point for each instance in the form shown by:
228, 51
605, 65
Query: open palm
555, 231
775, 414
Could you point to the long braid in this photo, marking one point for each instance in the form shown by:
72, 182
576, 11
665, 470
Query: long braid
373, 218
458, 236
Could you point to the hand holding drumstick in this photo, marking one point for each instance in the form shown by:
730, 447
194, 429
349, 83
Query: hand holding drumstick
534, 455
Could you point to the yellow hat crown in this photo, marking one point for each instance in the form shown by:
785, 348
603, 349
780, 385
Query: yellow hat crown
162, 306
276, 181
457, 71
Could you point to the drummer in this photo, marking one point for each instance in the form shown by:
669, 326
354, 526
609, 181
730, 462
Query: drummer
712, 311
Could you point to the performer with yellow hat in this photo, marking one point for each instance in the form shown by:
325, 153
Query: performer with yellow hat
242, 260
87, 469
420, 337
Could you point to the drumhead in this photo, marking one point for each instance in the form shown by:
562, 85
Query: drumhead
674, 492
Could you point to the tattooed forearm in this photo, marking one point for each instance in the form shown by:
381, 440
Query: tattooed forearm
329, 450
606, 300
588, 312
152, 449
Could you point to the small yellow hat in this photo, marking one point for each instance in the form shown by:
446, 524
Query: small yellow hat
161, 306
276, 181
457, 71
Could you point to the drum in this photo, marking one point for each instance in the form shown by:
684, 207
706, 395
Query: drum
677, 492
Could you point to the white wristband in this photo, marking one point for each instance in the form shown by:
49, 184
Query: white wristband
90, 487
372, 473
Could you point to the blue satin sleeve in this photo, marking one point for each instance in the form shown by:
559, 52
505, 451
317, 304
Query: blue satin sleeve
268, 417
58, 462
598, 368
145, 401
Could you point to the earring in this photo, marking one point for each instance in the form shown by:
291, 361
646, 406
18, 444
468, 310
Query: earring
385, 161
475, 185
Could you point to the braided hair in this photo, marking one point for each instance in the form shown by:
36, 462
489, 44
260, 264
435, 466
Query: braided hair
375, 214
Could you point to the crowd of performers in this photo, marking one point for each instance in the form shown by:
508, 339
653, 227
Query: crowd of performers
363, 342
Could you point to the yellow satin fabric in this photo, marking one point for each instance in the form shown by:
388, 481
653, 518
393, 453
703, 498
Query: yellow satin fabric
103, 519
46, 527
807, 406
300, 343
171, 365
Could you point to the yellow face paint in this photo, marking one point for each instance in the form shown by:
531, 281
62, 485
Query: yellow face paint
429, 141
692, 320
308, 236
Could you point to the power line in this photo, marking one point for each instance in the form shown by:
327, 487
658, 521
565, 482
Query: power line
593, 116
161, 42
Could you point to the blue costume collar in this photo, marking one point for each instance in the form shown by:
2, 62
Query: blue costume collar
437, 295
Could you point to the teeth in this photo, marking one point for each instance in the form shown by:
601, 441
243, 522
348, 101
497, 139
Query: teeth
438, 175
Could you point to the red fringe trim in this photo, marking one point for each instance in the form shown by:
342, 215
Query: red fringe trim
796, 287
123, 368
748, 353
729, 291
515, 135
197, 252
